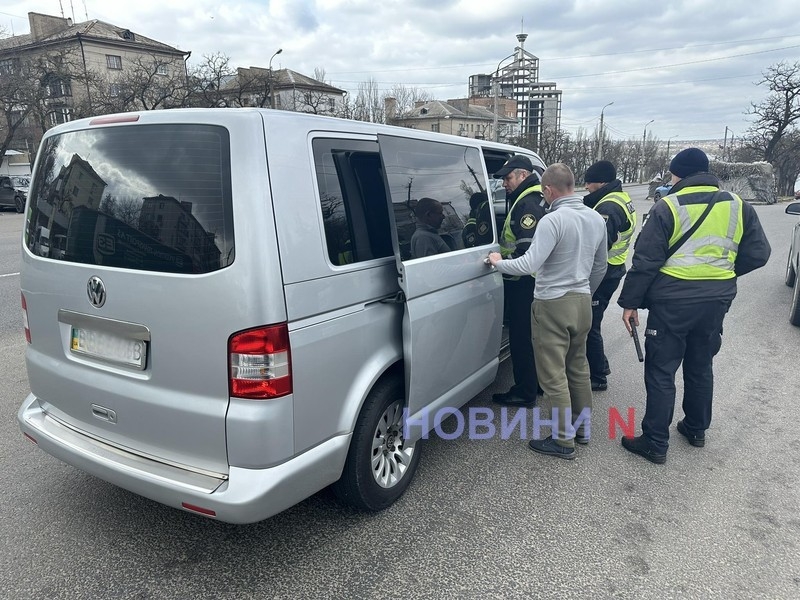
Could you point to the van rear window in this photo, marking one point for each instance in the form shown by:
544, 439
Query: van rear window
148, 197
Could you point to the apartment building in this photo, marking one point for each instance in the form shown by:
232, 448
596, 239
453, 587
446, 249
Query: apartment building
88, 68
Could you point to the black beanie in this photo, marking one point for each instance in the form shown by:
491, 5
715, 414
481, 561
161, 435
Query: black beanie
688, 162
600, 172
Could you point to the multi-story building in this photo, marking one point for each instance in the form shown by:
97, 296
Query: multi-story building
282, 89
535, 104
90, 67
456, 117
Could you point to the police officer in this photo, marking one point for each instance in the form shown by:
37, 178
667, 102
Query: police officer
695, 244
615, 206
524, 195
478, 230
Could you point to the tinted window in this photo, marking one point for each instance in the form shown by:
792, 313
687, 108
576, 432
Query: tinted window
151, 197
353, 199
431, 184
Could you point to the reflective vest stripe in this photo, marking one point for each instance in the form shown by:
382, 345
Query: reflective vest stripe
619, 249
710, 253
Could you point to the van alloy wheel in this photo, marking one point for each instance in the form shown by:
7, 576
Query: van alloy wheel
391, 455
380, 462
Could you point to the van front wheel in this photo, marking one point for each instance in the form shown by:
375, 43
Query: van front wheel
380, 462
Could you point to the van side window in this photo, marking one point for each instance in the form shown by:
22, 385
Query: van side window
353, 200
431, 185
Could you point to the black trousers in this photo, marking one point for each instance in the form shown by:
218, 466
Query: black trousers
680, 333
519, 298
595, 352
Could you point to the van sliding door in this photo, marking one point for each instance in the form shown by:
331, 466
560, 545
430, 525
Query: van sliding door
453, 301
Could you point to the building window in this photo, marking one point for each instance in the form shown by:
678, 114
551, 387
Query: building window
113, 90
161, 69
434, 127
7, 66
113, 62
60, 114
331, 104
59, 88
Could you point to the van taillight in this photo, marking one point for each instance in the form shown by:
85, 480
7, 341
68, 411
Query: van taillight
25, 319
260, 363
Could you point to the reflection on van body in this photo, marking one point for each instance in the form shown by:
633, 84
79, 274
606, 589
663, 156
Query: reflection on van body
223, 314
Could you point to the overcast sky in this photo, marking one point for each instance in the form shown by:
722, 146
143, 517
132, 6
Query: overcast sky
692, 66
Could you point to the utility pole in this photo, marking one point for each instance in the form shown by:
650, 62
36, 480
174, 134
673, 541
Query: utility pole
600, 137
644, 138
725, 142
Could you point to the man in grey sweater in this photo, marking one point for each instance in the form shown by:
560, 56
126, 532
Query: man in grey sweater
569, 255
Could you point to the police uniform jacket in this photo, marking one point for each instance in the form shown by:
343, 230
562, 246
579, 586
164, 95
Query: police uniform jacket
525, 214
615, 218
646, 285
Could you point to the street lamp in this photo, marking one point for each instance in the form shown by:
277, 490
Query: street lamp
644, 137
496, 88
600, 138
271, 94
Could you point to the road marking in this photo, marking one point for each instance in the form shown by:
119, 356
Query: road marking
9, 274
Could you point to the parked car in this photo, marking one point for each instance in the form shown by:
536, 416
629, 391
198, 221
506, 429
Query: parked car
246, 329
793, 266
661, 191
13, 192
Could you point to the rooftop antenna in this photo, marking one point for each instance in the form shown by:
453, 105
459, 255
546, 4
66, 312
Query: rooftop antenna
85, 12
61, 6
72, 8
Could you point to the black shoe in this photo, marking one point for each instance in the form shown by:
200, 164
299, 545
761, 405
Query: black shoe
599, 386
698, 440
511, 399
640, 445
549, 446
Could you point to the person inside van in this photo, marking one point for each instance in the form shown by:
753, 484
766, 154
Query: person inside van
426, 240
478, 230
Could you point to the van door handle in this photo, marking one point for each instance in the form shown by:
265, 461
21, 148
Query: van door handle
103, 413
398, 298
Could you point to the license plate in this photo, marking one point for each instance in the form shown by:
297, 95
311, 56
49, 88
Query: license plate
108, 347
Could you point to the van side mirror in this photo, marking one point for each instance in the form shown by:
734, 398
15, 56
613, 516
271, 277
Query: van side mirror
793, 209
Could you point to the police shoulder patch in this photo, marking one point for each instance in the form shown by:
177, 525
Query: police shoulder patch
528, 221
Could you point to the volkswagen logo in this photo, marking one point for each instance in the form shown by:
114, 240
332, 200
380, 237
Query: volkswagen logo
97, 291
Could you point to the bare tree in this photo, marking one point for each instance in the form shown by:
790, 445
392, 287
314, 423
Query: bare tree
777, 118
207, 80
33, 94
151, 83
369, 103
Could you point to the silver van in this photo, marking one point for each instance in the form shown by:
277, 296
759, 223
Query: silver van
233, 320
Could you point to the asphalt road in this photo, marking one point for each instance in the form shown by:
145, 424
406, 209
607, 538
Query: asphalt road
483, 518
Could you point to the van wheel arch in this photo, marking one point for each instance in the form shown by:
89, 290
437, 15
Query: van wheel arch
380, 463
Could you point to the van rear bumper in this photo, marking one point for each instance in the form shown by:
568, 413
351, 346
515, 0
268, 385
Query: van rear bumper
239, 496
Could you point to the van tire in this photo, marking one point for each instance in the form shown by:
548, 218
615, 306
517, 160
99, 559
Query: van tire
19, 204
374, 455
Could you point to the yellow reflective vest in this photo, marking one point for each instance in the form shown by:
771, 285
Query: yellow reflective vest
619, 250
509, 241
710, 252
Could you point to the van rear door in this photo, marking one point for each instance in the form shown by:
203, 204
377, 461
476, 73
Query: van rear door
453, 300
